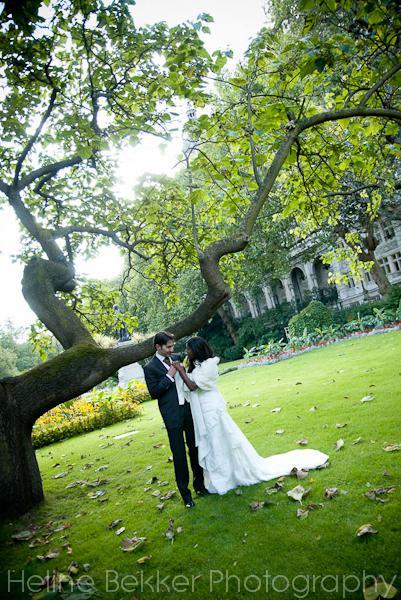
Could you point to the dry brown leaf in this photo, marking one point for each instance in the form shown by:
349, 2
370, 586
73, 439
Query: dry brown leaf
392, 447
339, 444
299, 473
331, 492
144, 559
366, 529
298, 492
130, 544
167, 496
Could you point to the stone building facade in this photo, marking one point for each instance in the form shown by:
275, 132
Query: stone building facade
308, 279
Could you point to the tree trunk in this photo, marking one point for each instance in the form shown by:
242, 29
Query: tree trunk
20, 480
228, 323
379, 276
377, 272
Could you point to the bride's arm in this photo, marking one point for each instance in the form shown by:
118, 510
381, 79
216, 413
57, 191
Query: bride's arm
188, 382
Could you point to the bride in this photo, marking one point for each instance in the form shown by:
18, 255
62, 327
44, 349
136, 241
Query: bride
225, 454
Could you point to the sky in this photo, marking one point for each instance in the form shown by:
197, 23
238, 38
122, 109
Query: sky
235, 23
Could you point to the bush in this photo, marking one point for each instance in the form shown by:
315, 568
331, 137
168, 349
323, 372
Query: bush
94, 410
351, 313
393, 297
315, 315
232, 353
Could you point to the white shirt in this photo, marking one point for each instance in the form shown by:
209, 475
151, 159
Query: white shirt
179, 388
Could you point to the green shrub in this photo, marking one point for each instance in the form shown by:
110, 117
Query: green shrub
91, 411
393, 297
316, 314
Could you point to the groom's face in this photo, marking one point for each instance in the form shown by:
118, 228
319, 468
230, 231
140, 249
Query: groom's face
166, 349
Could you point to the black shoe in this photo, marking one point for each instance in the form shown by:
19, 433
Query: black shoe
202, 492
189, 503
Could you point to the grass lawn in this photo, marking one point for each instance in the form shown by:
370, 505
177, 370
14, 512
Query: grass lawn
225, 550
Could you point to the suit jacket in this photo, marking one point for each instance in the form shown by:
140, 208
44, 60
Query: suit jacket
164, 390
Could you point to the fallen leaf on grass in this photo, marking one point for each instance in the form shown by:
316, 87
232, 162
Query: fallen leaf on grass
280, 431
339, 444
368, 398
59, 475
22, 536
298, 492
358, 440
313, 408
392, 447
167, 496
276, 410
331, 492
50, 554
160, 506
299, 473
120, 530
152, 480
96, 494
255, 505
302, 513
73, 568
341, 425
365, 529
102, 468
373, 494
156, 493
303, 442
159, 445
379, 589
130, 544
144, 559
170, 532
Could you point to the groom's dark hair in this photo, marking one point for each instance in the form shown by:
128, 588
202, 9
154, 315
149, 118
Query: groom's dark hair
162, 337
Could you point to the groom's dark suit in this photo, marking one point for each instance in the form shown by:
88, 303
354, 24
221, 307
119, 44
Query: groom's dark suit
178, 420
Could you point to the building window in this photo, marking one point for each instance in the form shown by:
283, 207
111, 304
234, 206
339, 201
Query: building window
350, 282
379, 234
384, 263
368, 276
388, 231
396, 258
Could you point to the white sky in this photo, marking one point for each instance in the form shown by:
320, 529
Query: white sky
235, 22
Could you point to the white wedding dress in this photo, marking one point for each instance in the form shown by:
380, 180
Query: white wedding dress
225, 454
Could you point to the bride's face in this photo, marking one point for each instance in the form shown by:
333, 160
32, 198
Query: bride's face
189, 352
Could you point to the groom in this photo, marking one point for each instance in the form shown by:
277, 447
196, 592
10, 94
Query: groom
176, 412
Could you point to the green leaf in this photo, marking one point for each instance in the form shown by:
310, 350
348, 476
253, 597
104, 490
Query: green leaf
198, 196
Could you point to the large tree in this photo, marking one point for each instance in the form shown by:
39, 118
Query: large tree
86, 81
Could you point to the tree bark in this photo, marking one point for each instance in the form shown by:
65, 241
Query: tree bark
377, 272
229, 324
20, 480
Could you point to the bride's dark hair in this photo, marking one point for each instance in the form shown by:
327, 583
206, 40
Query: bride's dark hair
201, 351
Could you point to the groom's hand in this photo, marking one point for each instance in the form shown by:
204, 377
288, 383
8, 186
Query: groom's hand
172, 370
179, 367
